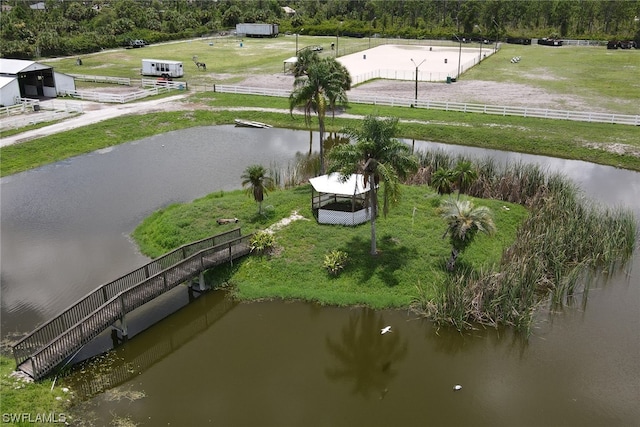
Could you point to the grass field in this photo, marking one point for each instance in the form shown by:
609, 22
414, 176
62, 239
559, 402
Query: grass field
602, 77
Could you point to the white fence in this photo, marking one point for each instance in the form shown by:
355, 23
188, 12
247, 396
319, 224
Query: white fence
582, 116
23, 105
423, 76
116, 98
177, 85
102, 79
49, 111
583, 42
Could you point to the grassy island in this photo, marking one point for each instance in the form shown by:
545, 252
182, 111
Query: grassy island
410, 242
550, 241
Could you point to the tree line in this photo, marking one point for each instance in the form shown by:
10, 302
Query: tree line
74, 27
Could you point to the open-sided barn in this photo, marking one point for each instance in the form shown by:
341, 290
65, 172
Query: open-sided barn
30, 79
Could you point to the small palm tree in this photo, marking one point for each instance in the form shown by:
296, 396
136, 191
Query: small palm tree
463, 223
464, 175
441, 181
258, 183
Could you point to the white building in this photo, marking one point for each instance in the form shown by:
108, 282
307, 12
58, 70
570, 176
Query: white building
29, 79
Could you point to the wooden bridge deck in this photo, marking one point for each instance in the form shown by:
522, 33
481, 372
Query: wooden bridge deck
53, 342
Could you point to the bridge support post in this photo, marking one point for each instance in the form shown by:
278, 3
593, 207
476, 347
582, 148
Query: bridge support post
198, 284
122, 328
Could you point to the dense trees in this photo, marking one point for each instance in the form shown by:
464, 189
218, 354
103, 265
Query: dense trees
68, 27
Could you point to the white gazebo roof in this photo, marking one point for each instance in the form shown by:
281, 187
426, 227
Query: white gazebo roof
333, 184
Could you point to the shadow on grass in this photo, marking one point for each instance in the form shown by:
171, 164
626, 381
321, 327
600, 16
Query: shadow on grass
221, 276
391, 257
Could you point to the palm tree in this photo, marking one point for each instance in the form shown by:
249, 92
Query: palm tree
441, 180
258, 183
464, 175
321, 85
463, 223
305, 57
380, 158
339, 95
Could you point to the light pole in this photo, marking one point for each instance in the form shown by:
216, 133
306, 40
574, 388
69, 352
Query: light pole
480, 30
337, 34
371, 30
417, 66
459, 54
495, 47
301, 29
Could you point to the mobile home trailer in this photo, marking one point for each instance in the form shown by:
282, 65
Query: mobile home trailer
162, 68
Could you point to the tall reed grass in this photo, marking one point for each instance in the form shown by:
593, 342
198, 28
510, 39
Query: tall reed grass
566, 242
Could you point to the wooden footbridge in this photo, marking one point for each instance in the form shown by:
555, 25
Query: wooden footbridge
55, 341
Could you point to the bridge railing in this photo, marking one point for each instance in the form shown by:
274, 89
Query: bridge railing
52, 353
61, 323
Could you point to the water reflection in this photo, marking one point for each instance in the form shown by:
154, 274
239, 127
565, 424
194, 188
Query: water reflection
135, 356
365, 358
64, 231
65, 225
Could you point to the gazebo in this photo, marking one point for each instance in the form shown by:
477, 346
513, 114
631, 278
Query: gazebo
334, 201
289, 64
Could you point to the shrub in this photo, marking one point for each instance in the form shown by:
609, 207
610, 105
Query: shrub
335, 261
262, 241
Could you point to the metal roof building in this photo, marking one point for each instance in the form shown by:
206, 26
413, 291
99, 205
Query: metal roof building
34, 80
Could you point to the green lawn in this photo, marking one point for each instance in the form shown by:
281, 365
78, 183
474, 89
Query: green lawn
605, 78
412, 250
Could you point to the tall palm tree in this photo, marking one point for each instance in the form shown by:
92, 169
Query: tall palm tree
381, 158
321, 85
258, 183
463, 223
305, 57
339, 94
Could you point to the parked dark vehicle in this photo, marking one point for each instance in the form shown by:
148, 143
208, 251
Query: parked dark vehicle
622, 44
136, 44
549, 42
518, 40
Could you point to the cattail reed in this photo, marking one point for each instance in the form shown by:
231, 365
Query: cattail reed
565, 244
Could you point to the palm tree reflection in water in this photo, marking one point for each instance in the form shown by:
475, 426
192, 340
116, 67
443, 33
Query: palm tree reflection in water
365, 357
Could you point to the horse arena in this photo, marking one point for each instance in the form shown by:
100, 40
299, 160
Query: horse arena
399, 62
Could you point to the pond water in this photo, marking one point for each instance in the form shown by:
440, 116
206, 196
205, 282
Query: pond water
65, 231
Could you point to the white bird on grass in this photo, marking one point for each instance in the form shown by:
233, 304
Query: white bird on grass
457, 387
385, 330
